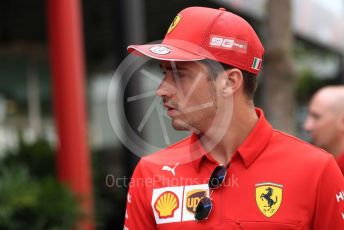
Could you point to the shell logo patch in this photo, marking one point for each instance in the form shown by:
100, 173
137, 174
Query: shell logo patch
166, 204
174, 23
177, 204
269, 197
192, 199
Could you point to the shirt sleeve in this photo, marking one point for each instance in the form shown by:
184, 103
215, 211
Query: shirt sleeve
329, 211
139, 214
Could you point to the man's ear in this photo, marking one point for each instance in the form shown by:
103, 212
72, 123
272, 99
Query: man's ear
233, 81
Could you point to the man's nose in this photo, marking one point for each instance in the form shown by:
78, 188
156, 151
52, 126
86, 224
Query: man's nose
308, 124
165, 88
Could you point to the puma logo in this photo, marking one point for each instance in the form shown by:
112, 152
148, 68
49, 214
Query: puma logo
168, 168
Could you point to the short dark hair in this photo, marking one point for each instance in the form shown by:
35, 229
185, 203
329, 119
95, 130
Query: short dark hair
250, 80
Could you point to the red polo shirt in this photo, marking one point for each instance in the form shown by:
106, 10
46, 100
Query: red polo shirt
340, 161
274, 181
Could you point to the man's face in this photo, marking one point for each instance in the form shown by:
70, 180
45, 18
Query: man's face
322, 122
188, 95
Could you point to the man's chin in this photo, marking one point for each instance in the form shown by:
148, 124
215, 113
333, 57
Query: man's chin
180, 125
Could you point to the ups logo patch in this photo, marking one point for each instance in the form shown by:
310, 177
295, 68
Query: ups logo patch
193, 197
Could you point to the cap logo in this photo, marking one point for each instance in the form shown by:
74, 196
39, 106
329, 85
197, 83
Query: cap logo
174, 23
257, 63
161, 50
228, 43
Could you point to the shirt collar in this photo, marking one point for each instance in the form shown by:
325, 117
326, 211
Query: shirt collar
256, 141
197, 152
249, 150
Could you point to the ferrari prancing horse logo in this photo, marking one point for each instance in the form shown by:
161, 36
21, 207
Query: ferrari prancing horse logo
269, 197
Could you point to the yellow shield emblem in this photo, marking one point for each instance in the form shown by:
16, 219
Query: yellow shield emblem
174, 23
269, 197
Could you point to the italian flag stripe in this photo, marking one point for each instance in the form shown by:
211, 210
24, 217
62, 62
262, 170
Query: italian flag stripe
257, 63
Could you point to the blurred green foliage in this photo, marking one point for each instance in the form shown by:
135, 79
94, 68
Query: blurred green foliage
38, 158
30, 195
109, 201
308, 83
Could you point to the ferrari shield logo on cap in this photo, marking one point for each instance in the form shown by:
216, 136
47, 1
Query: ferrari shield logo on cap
269, 197
174, 23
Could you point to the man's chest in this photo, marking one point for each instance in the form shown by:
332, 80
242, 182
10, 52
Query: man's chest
244, 201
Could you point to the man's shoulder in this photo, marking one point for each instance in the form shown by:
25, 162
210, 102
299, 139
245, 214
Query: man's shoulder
297, 147
166, 160
172, 154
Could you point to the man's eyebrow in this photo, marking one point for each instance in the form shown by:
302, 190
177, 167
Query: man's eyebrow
169, 67
165, 67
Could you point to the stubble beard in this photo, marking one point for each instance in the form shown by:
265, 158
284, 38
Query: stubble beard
194, 122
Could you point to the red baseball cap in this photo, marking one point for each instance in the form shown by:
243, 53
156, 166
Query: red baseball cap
199, 33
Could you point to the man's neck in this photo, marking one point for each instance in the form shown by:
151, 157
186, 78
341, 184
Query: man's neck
337, 148
221, 149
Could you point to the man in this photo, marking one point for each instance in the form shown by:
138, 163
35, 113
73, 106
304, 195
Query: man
325, 121
234, 171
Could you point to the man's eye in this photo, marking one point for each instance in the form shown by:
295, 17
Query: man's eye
180, 74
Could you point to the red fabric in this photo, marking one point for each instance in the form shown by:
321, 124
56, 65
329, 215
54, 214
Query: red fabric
215, 34
312, 186
340, 161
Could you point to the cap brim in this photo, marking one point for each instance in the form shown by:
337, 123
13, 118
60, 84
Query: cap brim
163, 52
